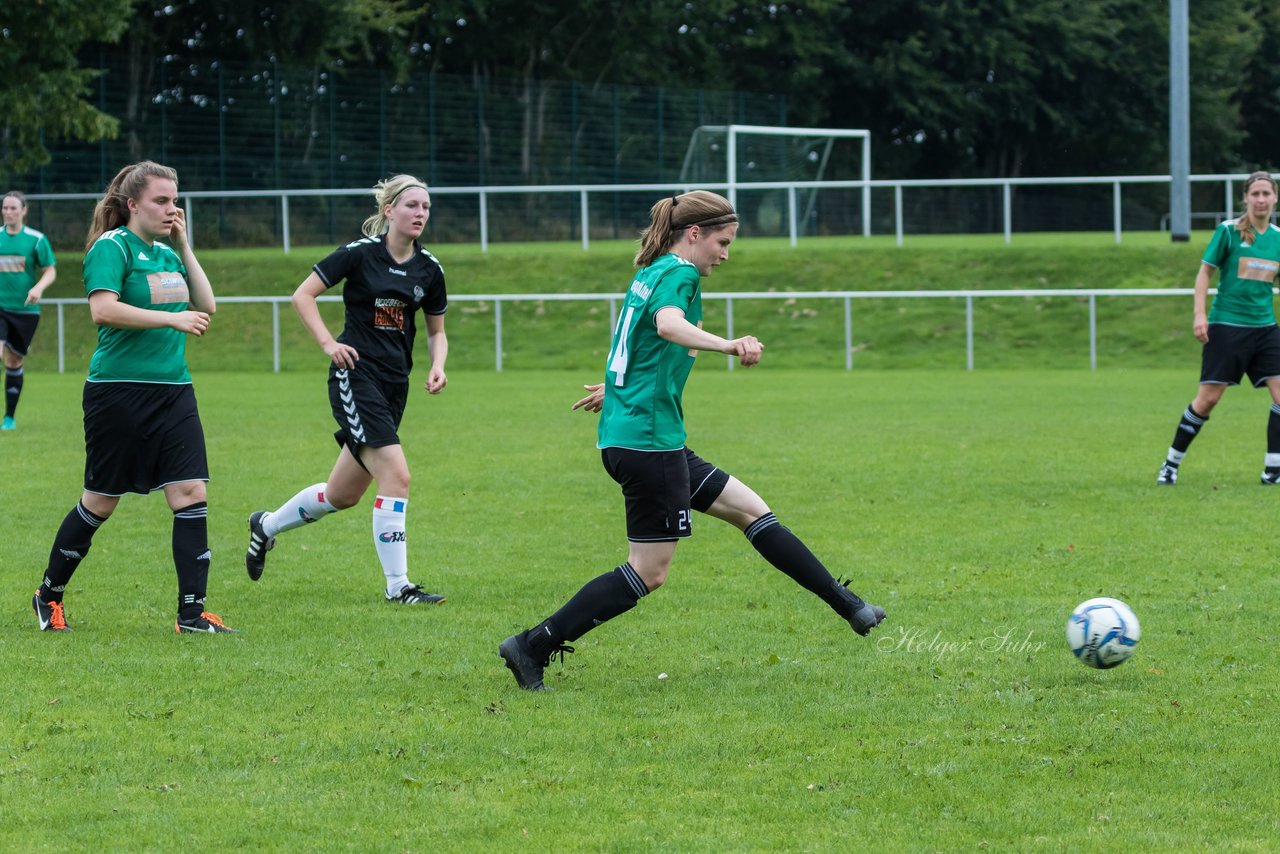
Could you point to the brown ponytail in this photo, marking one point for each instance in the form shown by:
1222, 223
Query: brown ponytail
112, 210
1243, 224
672, 215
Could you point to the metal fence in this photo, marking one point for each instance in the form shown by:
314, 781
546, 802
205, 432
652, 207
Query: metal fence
580, 211
729, 298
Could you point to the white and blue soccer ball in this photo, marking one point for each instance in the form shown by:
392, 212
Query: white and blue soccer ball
1103, 632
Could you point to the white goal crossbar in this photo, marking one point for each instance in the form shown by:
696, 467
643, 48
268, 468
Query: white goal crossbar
732, 132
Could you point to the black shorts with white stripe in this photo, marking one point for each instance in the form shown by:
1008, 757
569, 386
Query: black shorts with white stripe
141, 436
367, 408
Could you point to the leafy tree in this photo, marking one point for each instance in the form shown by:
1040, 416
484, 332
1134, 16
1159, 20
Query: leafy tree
43, 96
1045, 87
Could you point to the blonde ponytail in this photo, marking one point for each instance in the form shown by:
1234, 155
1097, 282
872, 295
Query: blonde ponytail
386, 192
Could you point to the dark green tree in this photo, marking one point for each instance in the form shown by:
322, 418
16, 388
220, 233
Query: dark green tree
43, 97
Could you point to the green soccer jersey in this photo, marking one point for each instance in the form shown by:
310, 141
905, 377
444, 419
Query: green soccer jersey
645, 374
145, 275
22, 256
1246, 273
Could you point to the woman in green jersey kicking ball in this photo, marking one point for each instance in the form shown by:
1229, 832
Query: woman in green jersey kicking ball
642, 439
1239, 334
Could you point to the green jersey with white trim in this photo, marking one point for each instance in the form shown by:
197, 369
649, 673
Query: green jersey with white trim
145, 275
22, 256
645, 374
1246, 273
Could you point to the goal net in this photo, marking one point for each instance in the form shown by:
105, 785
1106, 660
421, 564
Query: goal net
762, 165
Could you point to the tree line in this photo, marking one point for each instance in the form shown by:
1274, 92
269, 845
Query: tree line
949, 88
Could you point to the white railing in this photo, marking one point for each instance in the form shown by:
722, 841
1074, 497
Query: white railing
847, 297
584, 191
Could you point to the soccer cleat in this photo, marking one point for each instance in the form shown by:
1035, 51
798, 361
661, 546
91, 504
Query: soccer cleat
206, 623
8, 424
866, 618
1270, 478
862, 617
50, 615
412, 594
524, 666
1168, 475
255, 558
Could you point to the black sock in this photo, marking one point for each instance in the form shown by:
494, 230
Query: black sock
70, 545
191, 557
600, 600
1273, 440
12, 390
1189, 427
787, 553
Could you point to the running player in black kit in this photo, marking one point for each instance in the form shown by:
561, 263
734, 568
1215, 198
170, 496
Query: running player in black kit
389, 277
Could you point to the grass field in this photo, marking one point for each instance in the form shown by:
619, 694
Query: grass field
978, 508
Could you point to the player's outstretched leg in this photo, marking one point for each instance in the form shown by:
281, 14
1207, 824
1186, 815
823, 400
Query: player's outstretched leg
787, 553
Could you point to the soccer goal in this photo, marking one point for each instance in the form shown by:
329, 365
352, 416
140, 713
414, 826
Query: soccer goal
793, 161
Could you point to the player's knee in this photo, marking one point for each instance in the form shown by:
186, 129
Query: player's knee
341, 500
654, 578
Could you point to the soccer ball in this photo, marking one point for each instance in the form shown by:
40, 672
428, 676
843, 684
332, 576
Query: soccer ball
1103, 632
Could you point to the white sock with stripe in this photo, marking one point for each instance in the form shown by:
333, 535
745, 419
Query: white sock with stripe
307, 506
389, 540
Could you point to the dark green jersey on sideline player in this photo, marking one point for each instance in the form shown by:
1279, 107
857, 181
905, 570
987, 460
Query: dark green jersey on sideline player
145, 275
20, 256
645, 374
1246, 273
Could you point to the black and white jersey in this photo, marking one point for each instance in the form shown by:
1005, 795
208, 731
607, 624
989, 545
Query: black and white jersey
382, 298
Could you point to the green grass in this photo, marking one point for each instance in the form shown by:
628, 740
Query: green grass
975, 506
887, 333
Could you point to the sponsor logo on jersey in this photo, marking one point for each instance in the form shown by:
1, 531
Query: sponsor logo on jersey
393, 271
641, 290
167, 287
142, 256
1258, 269
388, 314
12, 263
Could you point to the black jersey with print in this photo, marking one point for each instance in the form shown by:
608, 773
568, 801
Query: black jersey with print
382, 298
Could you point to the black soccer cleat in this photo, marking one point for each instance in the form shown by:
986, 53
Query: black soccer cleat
412, 594
255, 558
49, 614
524, 665
206, 623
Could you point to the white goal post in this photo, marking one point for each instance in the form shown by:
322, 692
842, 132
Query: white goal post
731, 134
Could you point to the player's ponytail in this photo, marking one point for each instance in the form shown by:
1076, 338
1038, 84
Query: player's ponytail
112, 210
386, 192
670, 216
1243, 224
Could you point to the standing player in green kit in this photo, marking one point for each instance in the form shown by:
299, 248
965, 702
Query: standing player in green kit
23, 251
642, 439
1240, 334
142, 429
